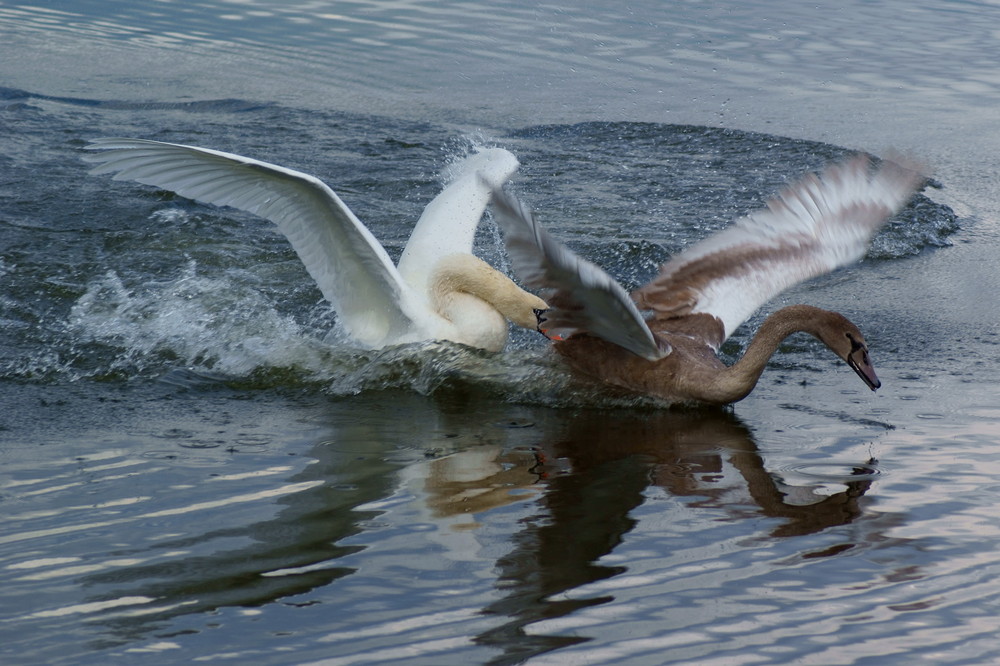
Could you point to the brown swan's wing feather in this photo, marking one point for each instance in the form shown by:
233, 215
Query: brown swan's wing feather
813, 227
582, 297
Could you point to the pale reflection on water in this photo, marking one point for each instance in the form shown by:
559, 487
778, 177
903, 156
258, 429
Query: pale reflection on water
173, 519
534, 508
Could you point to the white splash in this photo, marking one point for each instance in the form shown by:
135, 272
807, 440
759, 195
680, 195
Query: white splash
215, 323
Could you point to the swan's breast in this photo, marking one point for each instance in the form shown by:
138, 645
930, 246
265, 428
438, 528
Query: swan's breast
473, 321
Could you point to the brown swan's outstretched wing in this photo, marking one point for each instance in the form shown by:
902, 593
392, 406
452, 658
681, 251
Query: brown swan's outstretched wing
582, 297
813, 227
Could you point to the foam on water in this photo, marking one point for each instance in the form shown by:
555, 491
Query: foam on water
211, 322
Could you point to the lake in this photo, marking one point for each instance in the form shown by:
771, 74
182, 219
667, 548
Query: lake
196, 465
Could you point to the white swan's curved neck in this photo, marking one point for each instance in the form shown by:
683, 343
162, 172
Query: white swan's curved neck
469, 275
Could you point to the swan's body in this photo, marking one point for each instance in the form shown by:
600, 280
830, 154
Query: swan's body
702, 295
439, 291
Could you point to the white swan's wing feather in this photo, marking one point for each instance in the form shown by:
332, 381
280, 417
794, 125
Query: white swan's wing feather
449, 222
351, 268
813, 227
583, 298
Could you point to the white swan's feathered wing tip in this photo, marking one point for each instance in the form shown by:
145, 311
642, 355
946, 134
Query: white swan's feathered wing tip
582, 297
494, 165
812, 227
351, 268
449, 222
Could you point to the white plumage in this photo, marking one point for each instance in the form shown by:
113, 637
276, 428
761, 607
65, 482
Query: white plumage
377, 303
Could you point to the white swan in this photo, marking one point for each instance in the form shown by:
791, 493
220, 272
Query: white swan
700, 296
439, 291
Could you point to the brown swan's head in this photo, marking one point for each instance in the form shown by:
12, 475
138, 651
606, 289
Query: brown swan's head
858, 359
846, 341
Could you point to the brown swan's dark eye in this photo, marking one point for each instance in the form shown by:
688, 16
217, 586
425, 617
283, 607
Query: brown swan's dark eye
855, 345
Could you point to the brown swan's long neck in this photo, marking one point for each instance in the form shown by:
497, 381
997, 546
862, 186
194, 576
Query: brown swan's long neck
739, 379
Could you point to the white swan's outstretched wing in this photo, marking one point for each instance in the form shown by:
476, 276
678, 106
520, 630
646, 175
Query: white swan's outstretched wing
582, 297
813, 227
448, 223
348, 264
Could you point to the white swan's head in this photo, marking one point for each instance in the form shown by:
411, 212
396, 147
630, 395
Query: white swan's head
523, 308
467, 274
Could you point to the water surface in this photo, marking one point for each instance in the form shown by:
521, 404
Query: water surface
195, 465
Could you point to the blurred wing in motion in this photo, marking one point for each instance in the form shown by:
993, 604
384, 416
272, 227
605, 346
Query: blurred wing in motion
582, 297
812, 227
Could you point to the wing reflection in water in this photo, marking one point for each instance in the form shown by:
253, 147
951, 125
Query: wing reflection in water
432, 486
225, 562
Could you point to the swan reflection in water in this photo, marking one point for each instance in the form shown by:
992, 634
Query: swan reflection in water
687, 453
591, 474
577, 477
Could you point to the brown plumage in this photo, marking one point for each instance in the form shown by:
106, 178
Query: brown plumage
703, 294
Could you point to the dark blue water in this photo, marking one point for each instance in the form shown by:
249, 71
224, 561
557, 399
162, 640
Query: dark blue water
195, 464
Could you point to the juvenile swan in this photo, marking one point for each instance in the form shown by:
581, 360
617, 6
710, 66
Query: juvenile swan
702, 295
439, 291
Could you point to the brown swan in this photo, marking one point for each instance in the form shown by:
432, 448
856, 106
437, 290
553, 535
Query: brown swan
703, 294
